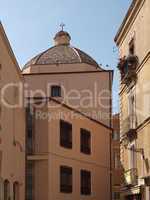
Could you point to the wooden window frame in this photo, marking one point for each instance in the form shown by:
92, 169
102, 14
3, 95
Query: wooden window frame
85, 147
65, 134
85, 176
67, 172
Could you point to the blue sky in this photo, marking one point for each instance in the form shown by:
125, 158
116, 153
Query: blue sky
31, 25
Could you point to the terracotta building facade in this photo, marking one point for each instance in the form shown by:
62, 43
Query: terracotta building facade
72, 144
56, 142
134, 47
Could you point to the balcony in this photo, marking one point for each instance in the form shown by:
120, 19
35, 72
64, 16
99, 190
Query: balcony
129, 77
127, 67
131, 177
129, 125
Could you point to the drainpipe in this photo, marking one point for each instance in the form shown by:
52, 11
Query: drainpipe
110, 124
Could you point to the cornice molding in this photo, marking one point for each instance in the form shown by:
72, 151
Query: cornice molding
129, 19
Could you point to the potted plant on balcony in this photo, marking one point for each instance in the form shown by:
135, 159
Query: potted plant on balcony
127, 67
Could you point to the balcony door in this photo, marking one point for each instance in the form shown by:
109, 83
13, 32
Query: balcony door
132, 109
132, 156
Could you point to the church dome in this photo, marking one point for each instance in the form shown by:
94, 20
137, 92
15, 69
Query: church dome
62, 53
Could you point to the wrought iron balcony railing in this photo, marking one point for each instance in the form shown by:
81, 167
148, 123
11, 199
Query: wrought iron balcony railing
127, 66
131, 177
129, 124
129, 76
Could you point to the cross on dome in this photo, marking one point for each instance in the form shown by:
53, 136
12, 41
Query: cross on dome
62, 25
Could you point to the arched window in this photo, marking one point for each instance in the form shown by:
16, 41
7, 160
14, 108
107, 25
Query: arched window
6, 190
16, 191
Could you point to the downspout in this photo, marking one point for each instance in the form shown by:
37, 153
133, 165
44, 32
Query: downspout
110, 124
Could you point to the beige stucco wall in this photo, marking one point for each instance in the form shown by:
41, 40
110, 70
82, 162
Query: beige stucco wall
98, 162
100, 180
12, 122
40, 133
41, 179
142, 95
143, 165
143, 141
140, 30
137, 26
100, 135
91, 90
143, 92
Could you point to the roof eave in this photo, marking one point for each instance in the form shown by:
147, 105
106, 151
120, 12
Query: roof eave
9, 49
128, 19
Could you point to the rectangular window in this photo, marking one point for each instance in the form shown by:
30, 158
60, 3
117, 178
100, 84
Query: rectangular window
116, 160
132, 110
29, 128
116, 136
55, 91
65, 134
132, 156
85, 182
65, 179
85, 141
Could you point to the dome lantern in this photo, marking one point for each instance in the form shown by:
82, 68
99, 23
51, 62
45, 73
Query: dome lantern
62, 37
